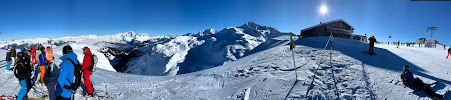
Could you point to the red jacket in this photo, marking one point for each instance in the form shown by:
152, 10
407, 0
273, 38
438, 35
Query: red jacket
87, 59
33, 51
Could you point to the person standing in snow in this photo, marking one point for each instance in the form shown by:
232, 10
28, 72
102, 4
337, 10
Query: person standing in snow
28, 67
48, 54
449, 52
66, 76
371, 49
33, 55
398, 44
87, 70
41, 67
20, 71
13, 55
408, 79
8, 59
51, 74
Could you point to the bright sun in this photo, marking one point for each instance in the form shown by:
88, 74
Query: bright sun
323, 9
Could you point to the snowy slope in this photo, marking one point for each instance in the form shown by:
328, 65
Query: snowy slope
268, 73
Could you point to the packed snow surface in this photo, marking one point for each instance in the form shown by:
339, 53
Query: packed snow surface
267, 72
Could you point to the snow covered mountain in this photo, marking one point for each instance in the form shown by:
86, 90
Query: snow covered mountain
106, 47
206, 49
134, 53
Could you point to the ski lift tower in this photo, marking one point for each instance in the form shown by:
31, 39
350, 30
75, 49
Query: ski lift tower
430, 41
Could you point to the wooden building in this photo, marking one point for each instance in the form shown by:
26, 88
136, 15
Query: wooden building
338, 28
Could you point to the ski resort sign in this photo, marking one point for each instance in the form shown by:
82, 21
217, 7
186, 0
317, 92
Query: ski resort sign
429, 42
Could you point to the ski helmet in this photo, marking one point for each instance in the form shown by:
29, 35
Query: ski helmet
48, 47
67, 49
20, 55
42, 48
85, 48
406, 67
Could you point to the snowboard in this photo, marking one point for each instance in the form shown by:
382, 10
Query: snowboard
366, 52
416, 90
444, 93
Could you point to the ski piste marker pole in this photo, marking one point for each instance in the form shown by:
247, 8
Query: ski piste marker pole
294, 61
316, 70
331, 39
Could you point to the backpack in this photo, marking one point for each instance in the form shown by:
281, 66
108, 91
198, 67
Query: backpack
404, 79
77, 76
93, 63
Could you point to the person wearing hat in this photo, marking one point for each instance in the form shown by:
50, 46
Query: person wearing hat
48, 54
66, 76
40, 70
408, 79
50, 73
21, 73
87, 68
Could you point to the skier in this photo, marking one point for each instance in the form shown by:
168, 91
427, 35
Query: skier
41, 67
444, 47
66, 77
449, 52
28, 67
87, 70
21, 73
48, 54
408, 79
8, 59
50, 76
398, 44
371, 49
33, 55
13, 55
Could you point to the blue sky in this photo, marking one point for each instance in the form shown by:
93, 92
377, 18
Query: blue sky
405, 20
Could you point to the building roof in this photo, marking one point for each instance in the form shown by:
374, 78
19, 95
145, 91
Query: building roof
333, 21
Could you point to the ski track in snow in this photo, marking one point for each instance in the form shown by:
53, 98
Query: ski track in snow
269, 74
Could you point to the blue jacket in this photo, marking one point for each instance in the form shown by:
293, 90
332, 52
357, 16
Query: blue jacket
409, 76
42, 59
67, 73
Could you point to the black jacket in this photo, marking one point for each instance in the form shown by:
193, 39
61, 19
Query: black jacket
449, 50
13, 52
372, 40
20, 71
27, 65
8, 56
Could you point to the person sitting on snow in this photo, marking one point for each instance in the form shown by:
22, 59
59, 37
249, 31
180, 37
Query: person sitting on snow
408, 79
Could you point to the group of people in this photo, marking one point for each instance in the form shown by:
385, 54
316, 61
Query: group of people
59, 80
407, 76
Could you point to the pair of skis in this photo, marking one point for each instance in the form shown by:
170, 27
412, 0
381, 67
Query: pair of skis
15, 98
99, 95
